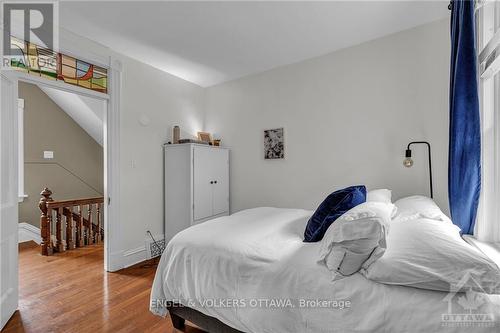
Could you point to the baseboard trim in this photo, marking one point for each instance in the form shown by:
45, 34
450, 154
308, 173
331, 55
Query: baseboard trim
127, 258
115, 261
134, 256
28, 232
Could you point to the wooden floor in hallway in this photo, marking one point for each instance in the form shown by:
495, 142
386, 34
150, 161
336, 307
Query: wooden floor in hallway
71, 292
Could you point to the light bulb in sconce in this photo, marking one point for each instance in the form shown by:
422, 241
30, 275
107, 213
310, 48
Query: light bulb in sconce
408, 162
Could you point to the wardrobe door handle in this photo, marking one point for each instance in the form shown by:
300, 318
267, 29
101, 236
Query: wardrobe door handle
211, 182
215, 182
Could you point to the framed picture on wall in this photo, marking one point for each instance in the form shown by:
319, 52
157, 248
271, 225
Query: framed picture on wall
274, 144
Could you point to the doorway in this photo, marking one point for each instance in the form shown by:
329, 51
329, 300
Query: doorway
9, 196
61, 155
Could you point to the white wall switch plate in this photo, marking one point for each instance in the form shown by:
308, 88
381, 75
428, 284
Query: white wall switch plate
48, 154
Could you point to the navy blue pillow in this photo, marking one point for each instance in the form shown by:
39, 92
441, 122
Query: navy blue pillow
331, 209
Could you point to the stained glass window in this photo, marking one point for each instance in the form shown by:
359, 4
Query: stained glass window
46, 63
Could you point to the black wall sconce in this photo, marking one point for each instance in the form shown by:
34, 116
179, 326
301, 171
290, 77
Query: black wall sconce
408, 162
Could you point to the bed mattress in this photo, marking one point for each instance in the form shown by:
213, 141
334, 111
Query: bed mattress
252, 271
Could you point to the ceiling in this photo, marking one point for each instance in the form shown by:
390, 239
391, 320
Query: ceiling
211, 42
87, 112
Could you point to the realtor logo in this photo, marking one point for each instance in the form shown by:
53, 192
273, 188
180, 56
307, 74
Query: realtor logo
32, 22
469, 308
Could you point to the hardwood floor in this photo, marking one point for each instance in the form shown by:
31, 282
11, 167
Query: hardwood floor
71, 292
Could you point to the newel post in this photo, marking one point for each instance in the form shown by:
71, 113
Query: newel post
45, 222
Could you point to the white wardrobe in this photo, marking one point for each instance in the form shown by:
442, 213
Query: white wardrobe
196, 185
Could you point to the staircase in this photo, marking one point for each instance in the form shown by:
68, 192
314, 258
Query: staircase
69, 224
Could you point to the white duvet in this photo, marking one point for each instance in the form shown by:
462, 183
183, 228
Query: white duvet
252, 271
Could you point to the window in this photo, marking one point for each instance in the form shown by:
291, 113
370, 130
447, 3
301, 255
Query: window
51, 65
488, 18
488, 46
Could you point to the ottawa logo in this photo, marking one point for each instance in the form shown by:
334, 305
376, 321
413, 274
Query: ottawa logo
467, 305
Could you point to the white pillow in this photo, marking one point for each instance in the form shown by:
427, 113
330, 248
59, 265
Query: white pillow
430, 254
357, 237
418, 206
380, 195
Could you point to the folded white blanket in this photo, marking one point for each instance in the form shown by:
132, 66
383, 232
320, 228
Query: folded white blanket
356, 238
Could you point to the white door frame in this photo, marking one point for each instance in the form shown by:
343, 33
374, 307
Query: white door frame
111, 125
8, 200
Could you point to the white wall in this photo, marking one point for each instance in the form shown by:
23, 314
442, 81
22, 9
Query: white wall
347, 115
161, 100
166, 101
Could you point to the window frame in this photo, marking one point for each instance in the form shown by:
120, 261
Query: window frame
487, 226
488, 41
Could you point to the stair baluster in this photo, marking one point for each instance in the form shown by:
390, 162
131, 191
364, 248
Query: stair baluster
45, 222
78, 230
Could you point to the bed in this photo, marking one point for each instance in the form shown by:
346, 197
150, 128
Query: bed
251, 272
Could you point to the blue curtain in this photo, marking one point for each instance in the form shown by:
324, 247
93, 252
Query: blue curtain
464, 164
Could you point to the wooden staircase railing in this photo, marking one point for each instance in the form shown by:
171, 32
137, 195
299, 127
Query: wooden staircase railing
77, 229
